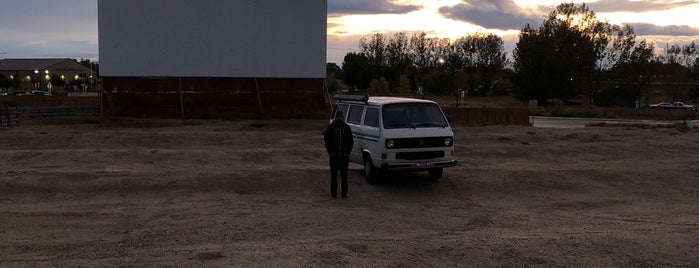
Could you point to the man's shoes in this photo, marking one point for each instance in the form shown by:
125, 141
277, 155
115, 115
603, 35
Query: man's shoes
334, 196
344, 197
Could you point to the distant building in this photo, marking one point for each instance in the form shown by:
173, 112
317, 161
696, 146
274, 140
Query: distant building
45, 75
212, 57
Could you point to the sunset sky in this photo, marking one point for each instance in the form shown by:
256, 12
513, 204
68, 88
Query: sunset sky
68, 28
661, 21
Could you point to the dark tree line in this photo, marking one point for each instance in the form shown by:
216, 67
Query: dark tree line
400, 64
572, 56
558, 59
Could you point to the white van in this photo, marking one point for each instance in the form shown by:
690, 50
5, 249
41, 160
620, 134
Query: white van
392, 133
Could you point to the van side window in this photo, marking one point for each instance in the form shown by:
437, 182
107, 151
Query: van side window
372, 117
341, 108
355, 114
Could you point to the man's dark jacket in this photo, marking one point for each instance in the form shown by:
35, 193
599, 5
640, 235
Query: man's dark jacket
338, 138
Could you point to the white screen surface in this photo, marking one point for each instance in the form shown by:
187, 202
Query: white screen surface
213, 38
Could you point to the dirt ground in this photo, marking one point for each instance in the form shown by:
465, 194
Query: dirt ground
222, 194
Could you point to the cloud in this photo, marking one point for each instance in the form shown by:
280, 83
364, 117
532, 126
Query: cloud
66, 28
497, 14
642, 29
336, 7
339, 46
637, 6
54, 49
48, 14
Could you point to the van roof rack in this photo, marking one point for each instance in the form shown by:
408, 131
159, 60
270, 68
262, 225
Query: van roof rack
352, 98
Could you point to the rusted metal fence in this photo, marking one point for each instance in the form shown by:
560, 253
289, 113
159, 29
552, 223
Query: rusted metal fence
7, 118
212, 97
488, 116
40, 111
50, 101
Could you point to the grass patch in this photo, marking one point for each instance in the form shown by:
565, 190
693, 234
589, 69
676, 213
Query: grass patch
288, 124
568, 110
604, 112
62, 120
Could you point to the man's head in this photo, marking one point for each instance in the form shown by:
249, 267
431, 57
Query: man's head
339, 116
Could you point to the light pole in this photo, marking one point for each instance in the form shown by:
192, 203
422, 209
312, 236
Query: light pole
456, 79
37, 82
48, 81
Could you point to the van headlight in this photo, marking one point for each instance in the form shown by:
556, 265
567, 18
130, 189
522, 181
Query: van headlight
390, 144
448, 142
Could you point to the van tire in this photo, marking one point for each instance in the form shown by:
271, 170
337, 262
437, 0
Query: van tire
371, 173
435, 174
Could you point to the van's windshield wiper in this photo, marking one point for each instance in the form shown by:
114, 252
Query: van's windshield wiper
396, 125
429, 124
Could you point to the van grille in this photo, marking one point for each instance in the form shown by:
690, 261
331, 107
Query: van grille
420, 155
430, 142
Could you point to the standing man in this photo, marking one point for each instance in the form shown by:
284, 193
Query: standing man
338, 143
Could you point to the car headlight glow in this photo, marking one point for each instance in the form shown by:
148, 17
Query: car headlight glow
448, 142
390, 144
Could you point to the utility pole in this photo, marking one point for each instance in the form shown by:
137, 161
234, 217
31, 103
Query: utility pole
456, 79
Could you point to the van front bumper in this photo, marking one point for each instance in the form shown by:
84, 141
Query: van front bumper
418, 165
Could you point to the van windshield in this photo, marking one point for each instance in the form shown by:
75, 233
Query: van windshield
412, 115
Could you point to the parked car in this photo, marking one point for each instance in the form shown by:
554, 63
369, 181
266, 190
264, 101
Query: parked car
661, 105
671, 106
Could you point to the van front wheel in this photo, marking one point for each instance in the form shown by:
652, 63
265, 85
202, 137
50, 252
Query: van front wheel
435, 173
371, 173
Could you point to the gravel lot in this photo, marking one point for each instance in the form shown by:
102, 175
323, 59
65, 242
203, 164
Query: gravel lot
222, 194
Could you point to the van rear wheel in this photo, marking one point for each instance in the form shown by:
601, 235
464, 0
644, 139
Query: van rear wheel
371, 173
